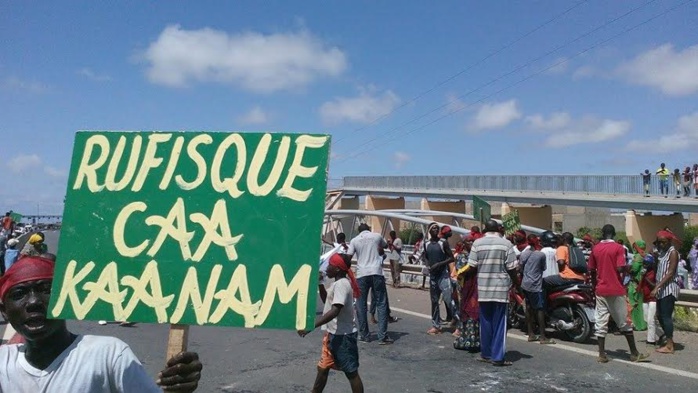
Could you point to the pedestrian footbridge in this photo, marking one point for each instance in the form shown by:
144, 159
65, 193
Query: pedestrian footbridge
607, 191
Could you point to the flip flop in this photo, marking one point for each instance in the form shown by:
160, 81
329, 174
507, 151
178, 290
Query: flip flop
602, 359
533, 339
548, 342
641, 358
483, 360
504, 363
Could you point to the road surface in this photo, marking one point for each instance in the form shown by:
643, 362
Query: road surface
251, 361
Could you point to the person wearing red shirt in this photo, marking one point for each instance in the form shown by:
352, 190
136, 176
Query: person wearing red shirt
607, 264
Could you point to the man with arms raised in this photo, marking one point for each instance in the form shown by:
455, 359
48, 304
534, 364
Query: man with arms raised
54, 360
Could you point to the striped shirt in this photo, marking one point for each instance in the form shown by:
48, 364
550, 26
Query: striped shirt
672, 287
493, 256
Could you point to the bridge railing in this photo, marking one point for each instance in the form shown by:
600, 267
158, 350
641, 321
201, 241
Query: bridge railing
585, 184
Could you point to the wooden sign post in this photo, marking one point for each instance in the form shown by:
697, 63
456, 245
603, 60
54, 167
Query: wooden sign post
174, 227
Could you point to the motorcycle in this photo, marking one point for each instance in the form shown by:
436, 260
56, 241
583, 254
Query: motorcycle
569, 308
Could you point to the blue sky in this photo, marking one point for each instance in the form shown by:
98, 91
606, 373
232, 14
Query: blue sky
353, 69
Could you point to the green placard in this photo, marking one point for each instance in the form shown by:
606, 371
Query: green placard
511, 222
16, 217
192, 228
481, 209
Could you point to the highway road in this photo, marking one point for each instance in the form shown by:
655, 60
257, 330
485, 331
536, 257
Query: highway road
251, 361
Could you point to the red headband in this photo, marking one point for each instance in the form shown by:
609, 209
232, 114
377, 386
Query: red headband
337, 261
668, 235
26, 269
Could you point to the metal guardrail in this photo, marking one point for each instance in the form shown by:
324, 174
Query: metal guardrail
584, 184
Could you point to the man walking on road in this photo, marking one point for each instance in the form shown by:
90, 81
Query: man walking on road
495, 260
339, 347
607, 264
369, 248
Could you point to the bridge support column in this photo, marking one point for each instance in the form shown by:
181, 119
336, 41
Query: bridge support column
380, 203
645, 226
443, 206
349, 203
535, 216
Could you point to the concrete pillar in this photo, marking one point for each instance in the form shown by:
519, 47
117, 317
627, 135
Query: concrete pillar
645, 226
348, 203
443, 206
381, 203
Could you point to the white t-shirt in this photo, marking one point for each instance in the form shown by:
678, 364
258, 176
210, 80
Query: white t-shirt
91, 364
340, 292
395, 254
368, 261
551, 268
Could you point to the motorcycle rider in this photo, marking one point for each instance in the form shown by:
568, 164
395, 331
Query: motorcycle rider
567, 275
549, 242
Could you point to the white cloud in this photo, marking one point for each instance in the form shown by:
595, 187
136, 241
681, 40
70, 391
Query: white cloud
251, 60
24, 162
89, 74
592, 131
255, 116
683, 136
555, 121
15, 83
400, 158
454, 104
497, 115
564, 131
673, 72
582, 72
559, 66
364, 108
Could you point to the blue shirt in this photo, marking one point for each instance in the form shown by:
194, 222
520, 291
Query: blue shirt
10, 257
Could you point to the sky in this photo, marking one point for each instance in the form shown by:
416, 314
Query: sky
404, 87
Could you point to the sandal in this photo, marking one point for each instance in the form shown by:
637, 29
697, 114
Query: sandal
547, 341
433, 331
504, 363
602, 359
533, 339
640, 358
483, 360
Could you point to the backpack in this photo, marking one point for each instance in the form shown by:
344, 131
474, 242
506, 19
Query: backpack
578, 262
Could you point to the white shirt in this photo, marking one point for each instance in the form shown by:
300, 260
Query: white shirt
340, 292
395, 254
551, 268
368, 261
91, 364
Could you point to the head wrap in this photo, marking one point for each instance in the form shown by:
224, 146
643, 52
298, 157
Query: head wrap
588, 238
639, 247
35, 238
337, 261
26, 269
445, 230
668, 235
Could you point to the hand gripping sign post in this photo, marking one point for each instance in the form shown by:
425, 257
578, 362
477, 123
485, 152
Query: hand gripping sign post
192, 228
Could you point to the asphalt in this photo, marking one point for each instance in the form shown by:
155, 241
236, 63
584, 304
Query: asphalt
251, 361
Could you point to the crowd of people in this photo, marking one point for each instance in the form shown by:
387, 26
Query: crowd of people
635, 288
684, 182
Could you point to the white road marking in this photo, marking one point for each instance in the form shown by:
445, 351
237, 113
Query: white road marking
581, 351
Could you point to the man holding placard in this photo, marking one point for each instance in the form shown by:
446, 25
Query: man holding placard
53, 359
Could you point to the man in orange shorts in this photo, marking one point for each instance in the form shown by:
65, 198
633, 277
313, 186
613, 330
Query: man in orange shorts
340, 350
